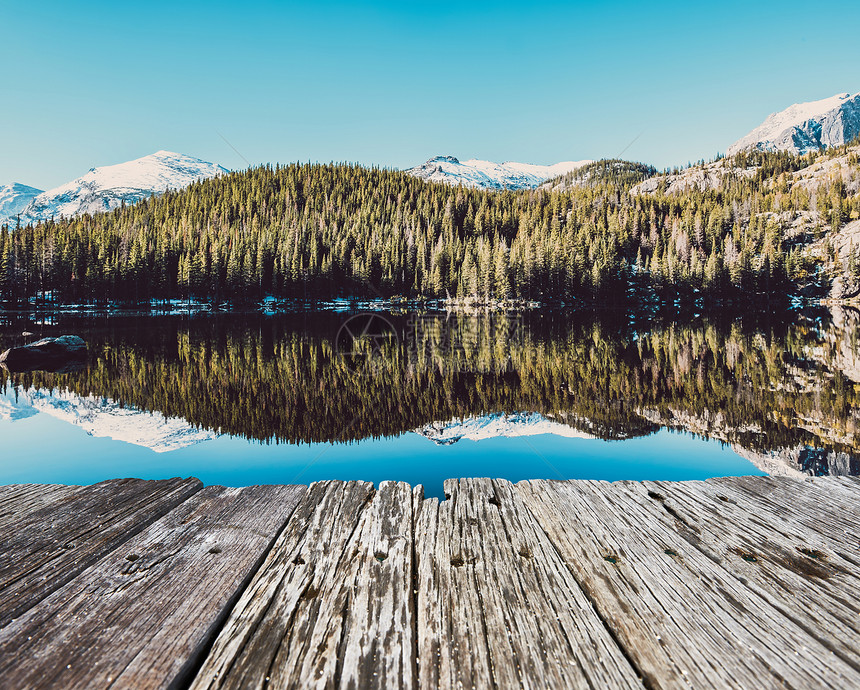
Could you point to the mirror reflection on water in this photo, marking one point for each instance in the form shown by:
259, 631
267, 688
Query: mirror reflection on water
293, 398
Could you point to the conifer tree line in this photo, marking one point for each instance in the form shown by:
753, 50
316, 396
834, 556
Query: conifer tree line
600, 375
317, 231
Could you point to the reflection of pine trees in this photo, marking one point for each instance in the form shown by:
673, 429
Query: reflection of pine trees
324, 230
283, 378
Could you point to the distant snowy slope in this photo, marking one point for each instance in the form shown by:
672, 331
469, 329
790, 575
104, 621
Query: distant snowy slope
102, 417
488, 175
496, 425
108, 187
805, 127
14, 198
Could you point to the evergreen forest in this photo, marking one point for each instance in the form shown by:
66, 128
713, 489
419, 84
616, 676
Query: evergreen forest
314, 232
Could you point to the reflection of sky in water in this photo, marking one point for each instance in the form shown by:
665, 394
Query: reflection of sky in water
39, 447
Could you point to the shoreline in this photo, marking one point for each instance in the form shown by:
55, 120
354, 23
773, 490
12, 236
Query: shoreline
441, 306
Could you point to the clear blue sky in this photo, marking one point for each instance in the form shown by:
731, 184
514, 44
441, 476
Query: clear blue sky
394, 83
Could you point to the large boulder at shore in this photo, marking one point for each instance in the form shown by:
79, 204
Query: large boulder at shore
66, 353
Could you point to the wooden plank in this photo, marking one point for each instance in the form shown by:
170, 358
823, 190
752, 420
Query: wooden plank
823, 506
11, 494
546, 584
799, 510
497, 606
453, 648
332, 605
51, 545
684, 620
786, 490
143, 616
815, 513
19, 501
379, 639
806, 581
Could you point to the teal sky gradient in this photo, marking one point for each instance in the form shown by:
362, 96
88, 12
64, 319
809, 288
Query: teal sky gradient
394, 83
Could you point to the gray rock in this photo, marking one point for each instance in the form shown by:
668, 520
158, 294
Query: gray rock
66, 353
806, 127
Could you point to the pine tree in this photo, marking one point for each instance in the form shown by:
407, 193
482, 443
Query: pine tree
502, 287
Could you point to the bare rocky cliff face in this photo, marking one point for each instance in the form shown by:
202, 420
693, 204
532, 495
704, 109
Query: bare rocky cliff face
805, 127
846, 284
835, 250
703, 178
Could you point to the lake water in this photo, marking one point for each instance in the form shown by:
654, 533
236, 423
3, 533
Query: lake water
294, 398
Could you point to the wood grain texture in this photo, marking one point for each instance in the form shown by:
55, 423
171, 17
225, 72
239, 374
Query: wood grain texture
824, 506
18, 501
783, 562
747, 582
683, 619
497, 605
332, 604
143, 616
49, 546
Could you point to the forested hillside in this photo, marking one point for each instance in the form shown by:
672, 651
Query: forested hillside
317, 231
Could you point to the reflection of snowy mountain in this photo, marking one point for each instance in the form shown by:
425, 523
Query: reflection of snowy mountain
496, 425
105, 418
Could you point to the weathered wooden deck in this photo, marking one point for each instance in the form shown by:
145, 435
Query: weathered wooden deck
747, 582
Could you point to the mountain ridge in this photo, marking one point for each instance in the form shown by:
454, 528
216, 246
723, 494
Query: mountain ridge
106, 188
14, 198
805, 127
481, 174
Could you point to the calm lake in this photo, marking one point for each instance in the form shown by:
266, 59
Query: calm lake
240, 399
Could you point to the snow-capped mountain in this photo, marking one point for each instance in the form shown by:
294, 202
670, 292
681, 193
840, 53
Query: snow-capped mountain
805, 127
477, 428
14, 198
102, 417
488, 175
108, 187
